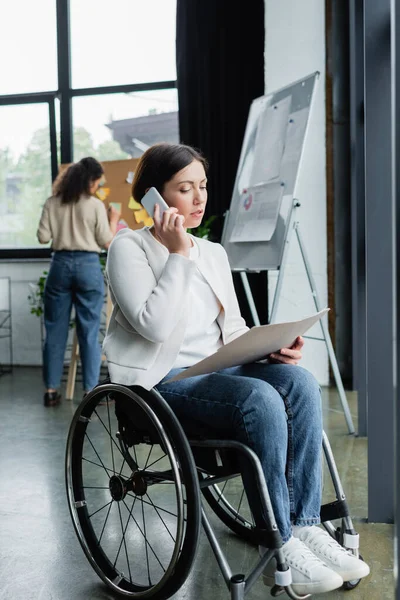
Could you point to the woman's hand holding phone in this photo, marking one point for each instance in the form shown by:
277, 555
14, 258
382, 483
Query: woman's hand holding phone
170, 231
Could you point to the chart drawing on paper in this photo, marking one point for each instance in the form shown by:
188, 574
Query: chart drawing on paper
258, 213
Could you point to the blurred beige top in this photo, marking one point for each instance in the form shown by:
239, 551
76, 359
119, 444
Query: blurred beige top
81, 225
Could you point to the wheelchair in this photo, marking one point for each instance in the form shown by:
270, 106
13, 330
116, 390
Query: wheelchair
134, 484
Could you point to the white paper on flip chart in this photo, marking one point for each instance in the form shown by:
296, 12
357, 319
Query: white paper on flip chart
270, 142
258, 213
253, 345
293, 146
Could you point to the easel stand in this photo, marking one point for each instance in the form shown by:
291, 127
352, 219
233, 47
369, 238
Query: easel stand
294, 226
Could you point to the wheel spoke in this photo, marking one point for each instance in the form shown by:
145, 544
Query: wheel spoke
148, 458
145, 535
105, 523
159, 507
102, 466
145, 539
160, 517
154, 462
99, 509
109, 433
126, 550
122, 468
239, 512
221, 492
126, 527
111, 438
98, 456
240, 504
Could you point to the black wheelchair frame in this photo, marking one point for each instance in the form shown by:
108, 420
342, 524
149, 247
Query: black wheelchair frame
134, 482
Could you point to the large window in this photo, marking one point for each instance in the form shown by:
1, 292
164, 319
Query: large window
115, 126
28, 46
121, 42
100, 83
25, 172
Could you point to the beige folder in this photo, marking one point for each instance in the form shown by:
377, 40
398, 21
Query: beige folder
253, 345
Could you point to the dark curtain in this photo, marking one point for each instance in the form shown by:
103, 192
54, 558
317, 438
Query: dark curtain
220, 71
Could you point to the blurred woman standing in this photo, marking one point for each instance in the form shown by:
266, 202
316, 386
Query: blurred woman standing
78, 226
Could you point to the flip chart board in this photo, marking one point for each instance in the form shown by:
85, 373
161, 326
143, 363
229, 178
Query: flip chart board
256, 225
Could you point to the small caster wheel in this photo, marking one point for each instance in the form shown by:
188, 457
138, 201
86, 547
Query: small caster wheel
277, 590
350, 585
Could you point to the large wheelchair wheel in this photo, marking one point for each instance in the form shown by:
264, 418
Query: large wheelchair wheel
229, 502
133, 491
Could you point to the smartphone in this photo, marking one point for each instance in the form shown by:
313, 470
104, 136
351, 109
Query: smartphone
150, 199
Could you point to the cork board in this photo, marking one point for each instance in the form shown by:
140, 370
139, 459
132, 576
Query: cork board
117, 189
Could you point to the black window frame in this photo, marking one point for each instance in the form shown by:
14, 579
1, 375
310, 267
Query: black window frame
65, 95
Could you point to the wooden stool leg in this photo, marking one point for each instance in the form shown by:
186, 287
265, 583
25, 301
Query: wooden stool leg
109, 308
72, 368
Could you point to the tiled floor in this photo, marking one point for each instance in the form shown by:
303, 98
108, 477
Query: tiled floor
40, 556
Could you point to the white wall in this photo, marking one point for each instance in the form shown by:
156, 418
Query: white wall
26, 336
294, 48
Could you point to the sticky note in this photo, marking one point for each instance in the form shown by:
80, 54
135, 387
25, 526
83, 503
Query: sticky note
103, 193
122, 225
134, 205
141, 216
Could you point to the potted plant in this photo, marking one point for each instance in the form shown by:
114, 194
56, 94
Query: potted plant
204, 230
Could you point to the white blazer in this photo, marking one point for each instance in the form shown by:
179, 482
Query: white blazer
150, 292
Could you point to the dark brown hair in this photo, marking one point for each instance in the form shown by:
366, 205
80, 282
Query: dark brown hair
160, 163
77, 179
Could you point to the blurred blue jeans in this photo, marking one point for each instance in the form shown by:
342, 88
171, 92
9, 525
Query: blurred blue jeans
276, 411
74, 278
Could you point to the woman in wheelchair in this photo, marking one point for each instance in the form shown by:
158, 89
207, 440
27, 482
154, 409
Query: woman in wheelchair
175, 304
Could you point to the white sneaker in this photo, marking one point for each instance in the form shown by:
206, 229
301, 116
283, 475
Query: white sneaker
337, 558
309, 574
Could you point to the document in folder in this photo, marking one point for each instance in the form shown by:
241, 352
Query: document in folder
253, 345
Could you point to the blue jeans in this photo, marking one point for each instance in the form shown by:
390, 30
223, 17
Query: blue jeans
276, 411
74, 278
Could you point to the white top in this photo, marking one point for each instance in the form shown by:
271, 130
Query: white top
203, 334
150, 294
